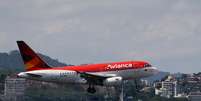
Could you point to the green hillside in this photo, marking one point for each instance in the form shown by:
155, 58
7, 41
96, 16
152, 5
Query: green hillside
13, 61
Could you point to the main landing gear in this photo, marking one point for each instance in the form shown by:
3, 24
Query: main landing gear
91, 89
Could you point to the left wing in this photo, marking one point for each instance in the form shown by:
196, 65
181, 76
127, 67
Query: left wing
34, 75
94, 78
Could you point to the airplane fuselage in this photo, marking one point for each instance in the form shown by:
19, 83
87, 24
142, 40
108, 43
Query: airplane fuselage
71, 74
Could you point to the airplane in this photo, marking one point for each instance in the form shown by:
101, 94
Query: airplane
103, 74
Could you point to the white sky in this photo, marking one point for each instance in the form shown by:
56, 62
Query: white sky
167, 33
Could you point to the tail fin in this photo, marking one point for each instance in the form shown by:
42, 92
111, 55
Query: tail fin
31, 60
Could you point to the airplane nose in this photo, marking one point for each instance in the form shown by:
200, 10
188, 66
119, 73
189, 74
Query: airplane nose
155, 70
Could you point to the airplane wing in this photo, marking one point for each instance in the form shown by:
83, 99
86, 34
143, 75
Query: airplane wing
96, 79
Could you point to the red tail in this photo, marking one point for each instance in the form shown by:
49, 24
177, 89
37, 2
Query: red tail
31, 60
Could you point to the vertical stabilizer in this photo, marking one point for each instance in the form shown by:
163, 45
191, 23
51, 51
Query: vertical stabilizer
31, 60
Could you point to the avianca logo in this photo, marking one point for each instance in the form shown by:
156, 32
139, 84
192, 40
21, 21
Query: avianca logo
119, 66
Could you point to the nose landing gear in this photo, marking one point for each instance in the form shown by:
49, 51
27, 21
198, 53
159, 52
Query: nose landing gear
91, 89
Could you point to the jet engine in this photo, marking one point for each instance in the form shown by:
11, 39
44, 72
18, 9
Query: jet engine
112, 81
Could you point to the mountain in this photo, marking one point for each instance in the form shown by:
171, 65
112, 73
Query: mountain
13, 60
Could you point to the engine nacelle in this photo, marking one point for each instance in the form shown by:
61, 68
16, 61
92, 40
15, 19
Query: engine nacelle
113, 81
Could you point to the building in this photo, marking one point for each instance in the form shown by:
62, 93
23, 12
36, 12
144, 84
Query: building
14, 88
167, 88
194, 96
182, 86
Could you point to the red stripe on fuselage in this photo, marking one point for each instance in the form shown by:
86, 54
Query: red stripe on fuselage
115, 66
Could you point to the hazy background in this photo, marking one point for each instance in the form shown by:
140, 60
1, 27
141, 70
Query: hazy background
166, 33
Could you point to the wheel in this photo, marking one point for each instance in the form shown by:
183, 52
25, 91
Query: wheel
91, 90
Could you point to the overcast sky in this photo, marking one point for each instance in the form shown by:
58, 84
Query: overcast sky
167, 33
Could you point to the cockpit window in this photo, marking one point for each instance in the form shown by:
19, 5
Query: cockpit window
147, 65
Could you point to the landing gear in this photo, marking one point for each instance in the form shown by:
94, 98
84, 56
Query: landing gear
91, 89
121, 96
137, 86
